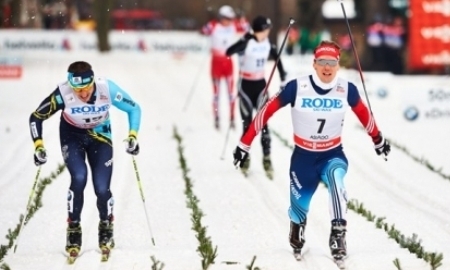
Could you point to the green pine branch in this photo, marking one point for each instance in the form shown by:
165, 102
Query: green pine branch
251, 266
156, 265
206, 250
421, 160
35, 205
413, 244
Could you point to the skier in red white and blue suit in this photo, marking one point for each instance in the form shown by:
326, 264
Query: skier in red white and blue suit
318, 104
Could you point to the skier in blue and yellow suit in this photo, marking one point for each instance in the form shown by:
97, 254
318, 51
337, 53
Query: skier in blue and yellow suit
85, 130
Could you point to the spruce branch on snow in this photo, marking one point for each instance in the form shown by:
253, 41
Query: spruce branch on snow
251, 266
34, 207
413, 244
156, 265
205, 248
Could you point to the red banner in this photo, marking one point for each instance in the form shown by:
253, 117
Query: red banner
10, 72
429, 34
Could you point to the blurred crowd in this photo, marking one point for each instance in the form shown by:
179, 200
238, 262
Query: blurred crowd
384, 43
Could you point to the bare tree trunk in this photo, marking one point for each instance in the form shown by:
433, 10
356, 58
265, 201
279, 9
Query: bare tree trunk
103, 21
310, 13
14, 18
276, 20
372, 8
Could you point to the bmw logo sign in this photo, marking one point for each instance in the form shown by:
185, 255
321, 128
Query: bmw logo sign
382, 92
411, 113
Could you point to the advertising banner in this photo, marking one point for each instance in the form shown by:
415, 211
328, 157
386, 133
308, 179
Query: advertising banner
10, 67
176, 42
424, 98
429, 34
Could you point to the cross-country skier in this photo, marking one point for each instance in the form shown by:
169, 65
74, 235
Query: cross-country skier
318, 104
223, 32
254, 49
85, 131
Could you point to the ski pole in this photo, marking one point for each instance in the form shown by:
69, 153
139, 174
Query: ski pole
291, 22
195, 82
28, 208
355, 53
143, 199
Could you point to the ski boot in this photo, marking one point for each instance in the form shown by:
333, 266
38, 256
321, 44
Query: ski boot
232, 124
105, 233
267, 164
105, 237
73, 241
217, 122
246, 166
338, 245
297, 238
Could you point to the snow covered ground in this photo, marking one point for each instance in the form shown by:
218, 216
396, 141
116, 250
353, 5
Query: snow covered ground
244, 217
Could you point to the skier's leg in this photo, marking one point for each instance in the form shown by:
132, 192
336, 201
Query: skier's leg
100, 157
73, 152
265, 134
333, 175
246, 110
304, 180
228, 75
216, 75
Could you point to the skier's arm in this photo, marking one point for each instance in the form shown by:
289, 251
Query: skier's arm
240, 45
124, 102
362, 112
273, 56
207, 28
284, 97
48, 107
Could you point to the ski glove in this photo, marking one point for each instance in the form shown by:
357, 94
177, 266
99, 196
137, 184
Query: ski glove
240, 156
382, 146
132, 146
40, 156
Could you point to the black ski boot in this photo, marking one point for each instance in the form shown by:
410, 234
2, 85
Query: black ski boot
267, 164
297, 238
338, 245
217, 122
246, 166
74, 237
105, 233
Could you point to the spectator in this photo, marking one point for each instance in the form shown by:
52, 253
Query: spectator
292, 40
394, 38
375, 44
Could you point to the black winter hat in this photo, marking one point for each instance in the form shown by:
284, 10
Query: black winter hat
261, 23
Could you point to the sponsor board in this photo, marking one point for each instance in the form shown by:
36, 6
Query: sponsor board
173, 42
424, 99
10, 67
429, 34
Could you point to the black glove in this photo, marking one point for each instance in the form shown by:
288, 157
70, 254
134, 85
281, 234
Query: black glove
240, 156
132, 147
40, 156
382, 147
247, 36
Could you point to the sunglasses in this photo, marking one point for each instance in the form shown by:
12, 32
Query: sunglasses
330, 62
82, 88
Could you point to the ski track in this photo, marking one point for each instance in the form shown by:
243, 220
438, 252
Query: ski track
244, 217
